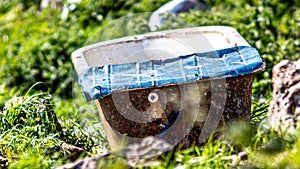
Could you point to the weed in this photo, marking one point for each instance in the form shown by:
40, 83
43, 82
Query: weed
30, 126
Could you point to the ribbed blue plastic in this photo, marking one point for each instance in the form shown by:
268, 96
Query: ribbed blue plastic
98, 82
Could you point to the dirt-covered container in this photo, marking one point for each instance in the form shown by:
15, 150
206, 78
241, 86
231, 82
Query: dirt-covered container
176, 85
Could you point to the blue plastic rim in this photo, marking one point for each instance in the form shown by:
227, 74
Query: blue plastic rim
98, 82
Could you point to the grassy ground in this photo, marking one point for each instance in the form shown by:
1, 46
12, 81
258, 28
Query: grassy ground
35, 46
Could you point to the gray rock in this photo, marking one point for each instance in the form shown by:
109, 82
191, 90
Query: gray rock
53, 3
134, 155
149, 148
175, 6
284, 110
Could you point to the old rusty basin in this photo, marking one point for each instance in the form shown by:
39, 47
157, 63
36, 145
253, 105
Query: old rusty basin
176, 85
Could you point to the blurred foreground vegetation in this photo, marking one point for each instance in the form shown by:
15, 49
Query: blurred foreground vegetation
36, 45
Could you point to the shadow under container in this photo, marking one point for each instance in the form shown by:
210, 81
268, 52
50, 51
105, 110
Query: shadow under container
176, 85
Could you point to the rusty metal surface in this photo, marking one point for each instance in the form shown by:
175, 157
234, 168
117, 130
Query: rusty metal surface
119, 109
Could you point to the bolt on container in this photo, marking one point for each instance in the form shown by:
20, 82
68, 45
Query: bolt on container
176, 85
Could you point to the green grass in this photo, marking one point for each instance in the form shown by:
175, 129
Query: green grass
31, 137
35, 46
29, 126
